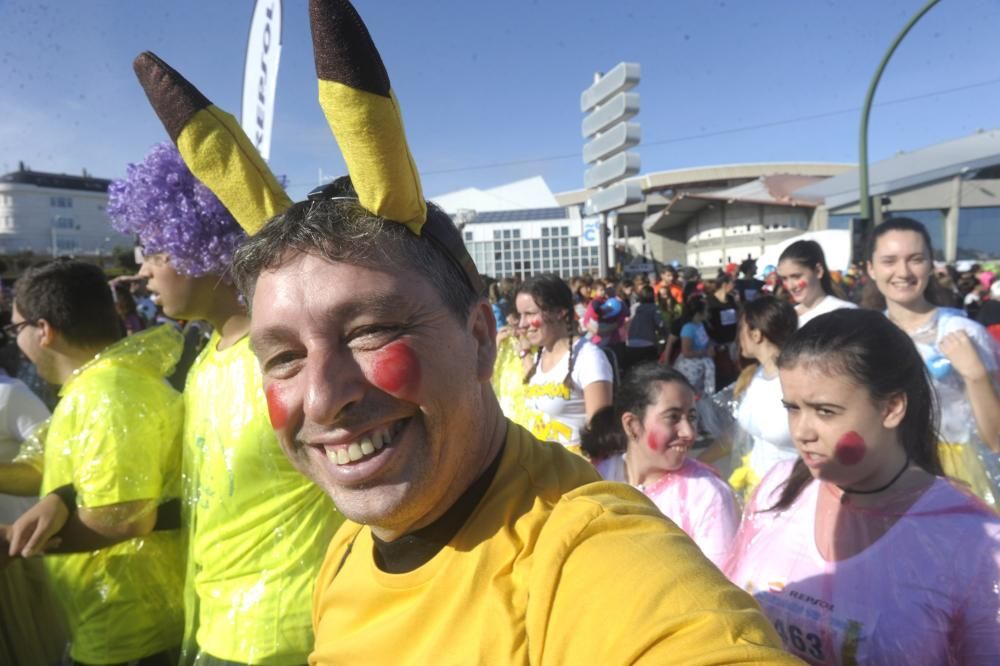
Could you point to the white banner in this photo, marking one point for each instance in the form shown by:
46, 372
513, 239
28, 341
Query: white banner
260, 74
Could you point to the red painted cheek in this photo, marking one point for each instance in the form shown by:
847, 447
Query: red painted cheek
276, 409
802, 284
396, 369
535, 323
656, 439
850, 449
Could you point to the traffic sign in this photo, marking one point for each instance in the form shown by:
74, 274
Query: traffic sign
623, 76
611, 170
620, 107
616, 196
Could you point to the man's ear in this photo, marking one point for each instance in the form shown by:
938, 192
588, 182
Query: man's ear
46, 333
483, 328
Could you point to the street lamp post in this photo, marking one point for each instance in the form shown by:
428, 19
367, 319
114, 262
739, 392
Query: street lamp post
865, 202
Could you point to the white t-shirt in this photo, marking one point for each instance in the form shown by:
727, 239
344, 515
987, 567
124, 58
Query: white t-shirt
559, 408
695, 498
827, 304
20, 413
762, 416
923, 593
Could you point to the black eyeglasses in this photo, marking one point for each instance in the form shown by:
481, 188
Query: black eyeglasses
14, 330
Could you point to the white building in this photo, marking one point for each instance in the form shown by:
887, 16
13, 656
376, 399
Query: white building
56, 214
519, 230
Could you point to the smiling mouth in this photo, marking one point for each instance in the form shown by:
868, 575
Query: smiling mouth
366, 446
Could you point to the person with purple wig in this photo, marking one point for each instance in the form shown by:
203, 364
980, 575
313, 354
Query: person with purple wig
257, 529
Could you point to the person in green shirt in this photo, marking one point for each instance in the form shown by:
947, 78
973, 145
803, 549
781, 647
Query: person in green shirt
257, 529
111, 462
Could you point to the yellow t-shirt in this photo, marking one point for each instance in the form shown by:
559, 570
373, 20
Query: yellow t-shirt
554, 566
257, 527
115, 435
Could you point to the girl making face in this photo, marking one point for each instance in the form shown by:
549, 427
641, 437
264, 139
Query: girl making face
860, 551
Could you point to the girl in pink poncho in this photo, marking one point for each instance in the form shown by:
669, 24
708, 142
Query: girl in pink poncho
644, 439
860, 552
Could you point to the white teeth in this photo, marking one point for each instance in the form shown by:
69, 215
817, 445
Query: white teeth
342, 457
367, 447
331, 455
354, 452
377, 441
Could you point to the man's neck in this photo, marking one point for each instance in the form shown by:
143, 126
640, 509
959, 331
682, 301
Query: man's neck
228, 316
72, 358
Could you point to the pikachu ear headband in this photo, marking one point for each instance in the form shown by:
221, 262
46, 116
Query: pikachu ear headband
362, 112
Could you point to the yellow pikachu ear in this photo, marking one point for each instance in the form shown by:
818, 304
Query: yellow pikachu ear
213, 145
364, 115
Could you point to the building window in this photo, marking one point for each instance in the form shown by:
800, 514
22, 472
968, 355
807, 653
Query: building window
63, 222
506, 233
468, 236
517, 233
545, 232
61, 202
66, 244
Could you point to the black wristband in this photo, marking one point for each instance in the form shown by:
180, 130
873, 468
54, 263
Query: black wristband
67, 494
168, 516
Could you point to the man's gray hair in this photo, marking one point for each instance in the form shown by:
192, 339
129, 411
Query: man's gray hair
340, 230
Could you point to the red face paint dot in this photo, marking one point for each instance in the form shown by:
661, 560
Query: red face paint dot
276, 409
535, 323
802, 284
396, 369
653, 440
850, 449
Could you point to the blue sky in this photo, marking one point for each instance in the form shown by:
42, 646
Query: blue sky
487, 83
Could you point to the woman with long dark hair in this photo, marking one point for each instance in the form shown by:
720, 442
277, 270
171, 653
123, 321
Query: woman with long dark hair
569, 378
644, 441
901, 267
765, 327
806, 277
861, 551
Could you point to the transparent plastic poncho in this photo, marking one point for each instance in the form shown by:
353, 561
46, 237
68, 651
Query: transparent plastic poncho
257, 529
963, 454
913, 580
115, 436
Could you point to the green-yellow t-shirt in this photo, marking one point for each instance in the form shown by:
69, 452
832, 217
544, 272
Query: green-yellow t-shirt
115, 435
258, 528
553, 566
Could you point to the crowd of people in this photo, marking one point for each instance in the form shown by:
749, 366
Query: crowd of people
355, 450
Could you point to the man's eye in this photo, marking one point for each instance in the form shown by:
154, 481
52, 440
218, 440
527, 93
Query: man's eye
280, 362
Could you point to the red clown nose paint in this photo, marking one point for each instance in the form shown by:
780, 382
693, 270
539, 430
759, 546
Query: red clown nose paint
396, 369
850, 449
276, 409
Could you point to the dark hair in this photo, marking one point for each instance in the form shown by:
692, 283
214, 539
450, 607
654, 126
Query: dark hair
810, 254
340, 230
694, 304
773, 317
873, 298
878, 355
603, 435
646, 294
72, 296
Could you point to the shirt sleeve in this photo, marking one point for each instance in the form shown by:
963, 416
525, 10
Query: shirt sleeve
591, 365
688, 330
117, 451
661, 601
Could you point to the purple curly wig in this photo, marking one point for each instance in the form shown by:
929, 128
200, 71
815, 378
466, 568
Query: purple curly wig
161, 202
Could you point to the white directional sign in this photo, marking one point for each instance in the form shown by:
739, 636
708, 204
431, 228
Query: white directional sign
624, 76
611, 170
620, 137
620, 107
616, 196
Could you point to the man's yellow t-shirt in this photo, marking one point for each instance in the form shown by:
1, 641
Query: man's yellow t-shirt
553, 566
258, 528
115, 435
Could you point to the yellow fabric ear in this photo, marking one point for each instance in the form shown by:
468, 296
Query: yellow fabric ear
213, 145
221, 156
359, 105
369, 131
